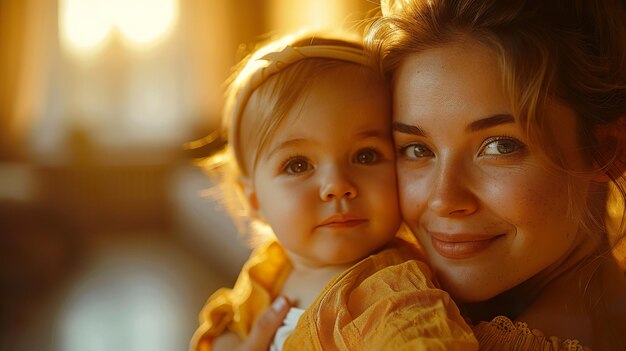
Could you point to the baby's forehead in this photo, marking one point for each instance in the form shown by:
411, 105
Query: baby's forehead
338, 85
341, 107
347, 79
351, 73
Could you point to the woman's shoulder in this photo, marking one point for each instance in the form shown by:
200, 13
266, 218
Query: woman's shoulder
503, 334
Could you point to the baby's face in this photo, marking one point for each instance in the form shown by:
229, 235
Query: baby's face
326, 183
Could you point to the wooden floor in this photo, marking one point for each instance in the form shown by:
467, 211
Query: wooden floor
115, 259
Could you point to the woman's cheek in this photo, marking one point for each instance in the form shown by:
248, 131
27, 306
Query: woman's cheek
413, 197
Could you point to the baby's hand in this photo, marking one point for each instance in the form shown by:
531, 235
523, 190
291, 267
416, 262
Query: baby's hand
261, 334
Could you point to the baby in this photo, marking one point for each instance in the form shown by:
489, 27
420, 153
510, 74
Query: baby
309, 151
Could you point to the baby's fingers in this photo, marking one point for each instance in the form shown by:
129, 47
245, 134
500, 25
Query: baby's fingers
265, 326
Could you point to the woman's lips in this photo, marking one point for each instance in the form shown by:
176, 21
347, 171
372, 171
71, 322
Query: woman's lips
458, 246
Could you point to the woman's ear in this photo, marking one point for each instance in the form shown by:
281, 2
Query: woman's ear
611, 141
247, 189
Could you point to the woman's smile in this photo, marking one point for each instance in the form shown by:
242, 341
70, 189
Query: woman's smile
459, 246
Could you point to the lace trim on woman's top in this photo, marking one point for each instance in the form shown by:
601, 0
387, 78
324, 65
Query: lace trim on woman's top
503, 334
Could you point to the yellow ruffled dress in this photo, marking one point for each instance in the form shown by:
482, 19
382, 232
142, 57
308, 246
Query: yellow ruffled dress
387, 301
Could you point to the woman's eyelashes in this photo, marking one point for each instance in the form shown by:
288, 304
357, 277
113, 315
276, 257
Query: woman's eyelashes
493, 147
415, 151
501, 146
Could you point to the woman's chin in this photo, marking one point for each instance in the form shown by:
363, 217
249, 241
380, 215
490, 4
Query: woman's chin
464, 292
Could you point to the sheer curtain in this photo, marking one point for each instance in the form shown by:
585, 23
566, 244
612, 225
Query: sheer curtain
27, 45
95, 134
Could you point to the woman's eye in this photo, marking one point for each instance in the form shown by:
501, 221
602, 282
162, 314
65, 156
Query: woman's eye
366, 156
415, 151
502, 146
297, 166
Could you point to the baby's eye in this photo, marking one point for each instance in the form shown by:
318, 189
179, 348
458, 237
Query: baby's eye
366, 156
296, 165
416, 151
502, 146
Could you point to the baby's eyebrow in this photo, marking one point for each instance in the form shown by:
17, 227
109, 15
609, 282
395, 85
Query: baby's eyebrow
286, 144
371, 134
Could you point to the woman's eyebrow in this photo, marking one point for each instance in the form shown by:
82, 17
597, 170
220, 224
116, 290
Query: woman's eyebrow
477, 125
407, 129
490, 121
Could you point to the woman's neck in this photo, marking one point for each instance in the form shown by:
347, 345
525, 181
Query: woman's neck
518, 300
580, 304
574, 300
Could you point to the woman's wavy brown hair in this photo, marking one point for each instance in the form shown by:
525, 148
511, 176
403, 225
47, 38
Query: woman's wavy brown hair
570, 51
573, 51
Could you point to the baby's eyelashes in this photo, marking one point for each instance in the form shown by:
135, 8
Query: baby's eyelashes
296, 165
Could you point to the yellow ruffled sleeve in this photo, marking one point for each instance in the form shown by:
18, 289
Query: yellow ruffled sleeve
235, 309
387, 301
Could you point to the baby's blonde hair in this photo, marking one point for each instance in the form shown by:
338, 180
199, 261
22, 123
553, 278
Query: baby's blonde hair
263, 90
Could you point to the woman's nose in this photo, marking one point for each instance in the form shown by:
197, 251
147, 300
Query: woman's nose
337, 184
451, 193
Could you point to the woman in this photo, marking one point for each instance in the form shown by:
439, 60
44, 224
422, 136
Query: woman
509, 118
509, 121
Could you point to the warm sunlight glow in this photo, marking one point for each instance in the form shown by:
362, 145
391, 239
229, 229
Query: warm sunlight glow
143, 22
86, 24
287, 16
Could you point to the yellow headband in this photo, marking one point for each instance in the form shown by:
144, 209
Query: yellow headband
273, 62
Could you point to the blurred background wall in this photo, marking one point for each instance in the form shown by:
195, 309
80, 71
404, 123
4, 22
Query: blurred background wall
105, 240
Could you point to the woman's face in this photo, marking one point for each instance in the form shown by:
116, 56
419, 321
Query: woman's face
488, 210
